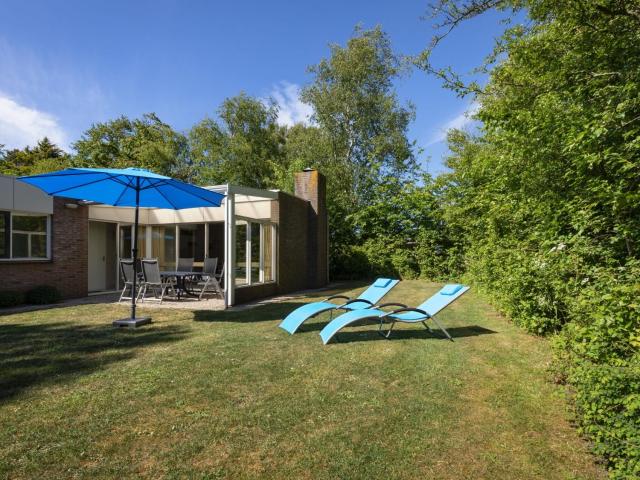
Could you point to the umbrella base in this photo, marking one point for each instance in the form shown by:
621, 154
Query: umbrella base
131, 322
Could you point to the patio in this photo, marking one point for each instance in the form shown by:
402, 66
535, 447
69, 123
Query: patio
240, 233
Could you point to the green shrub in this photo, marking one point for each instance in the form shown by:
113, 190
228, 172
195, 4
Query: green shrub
42, 295
598, 354
11, 299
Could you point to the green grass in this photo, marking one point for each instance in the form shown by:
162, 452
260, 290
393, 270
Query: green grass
230, 395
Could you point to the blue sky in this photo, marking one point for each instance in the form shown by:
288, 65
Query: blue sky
67, 64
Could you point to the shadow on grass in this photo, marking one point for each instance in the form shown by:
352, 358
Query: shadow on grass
262, 313
275, 311
38, 354
106, 298
404, 334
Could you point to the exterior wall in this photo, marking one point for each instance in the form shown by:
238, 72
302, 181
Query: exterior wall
293, 243
311, 185
21, 197
301, 248
67, 269
255, 292
302, 240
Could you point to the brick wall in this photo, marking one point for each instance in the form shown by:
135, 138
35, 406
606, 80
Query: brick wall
67, 269
311, 185
293, 243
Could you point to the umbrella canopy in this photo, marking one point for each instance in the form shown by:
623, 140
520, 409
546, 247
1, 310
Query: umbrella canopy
118, 187
128, 187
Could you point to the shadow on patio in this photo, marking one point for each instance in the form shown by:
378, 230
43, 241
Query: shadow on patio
36, 354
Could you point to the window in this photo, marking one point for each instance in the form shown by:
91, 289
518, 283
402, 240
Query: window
241, 253
254, 252
126, 243
267, 244
192, 242
24, 236
163, 246
5, 240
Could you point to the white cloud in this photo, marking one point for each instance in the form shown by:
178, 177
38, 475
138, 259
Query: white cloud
291, 109
21, 126
459, 122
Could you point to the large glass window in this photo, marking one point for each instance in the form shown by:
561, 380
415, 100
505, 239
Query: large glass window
267, 248
215, 249
241, 253
192, 243
29, 236
5, 238
163, 246
126, 241
255, 252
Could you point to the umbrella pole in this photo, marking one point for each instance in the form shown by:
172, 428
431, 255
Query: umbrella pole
134, 254
133, 321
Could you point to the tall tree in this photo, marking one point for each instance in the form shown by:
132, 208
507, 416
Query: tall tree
244, 146
354, 102
145, 142
44, 157
362, 124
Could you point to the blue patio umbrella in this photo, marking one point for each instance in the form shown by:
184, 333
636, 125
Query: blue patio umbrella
128, 187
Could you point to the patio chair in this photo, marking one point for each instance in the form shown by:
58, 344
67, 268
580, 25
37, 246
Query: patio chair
126, 273
208, 278
425, 311
152, 280
220, 276
366, 299
185, 265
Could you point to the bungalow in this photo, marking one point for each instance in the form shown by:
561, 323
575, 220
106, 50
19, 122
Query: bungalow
275, 242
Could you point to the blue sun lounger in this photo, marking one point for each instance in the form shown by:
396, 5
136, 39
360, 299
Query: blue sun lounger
366, 299
425, 311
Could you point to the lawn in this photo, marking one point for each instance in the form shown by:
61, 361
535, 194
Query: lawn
230, 395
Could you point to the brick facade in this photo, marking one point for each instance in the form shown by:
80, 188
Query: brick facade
67, 269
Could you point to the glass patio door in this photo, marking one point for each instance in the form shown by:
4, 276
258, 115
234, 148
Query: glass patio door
163, 246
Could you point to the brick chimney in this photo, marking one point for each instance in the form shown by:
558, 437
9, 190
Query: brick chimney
311, 185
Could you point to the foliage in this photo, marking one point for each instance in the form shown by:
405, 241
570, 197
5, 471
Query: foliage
402, 233
244, 147
11, 299
44, 157
363, 129
547, 201
145, 142
42, 295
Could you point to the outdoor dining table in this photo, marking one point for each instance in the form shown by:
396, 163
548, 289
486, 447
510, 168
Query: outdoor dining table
181, 280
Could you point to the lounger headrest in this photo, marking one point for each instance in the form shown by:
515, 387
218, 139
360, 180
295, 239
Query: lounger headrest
382, 282
451, 289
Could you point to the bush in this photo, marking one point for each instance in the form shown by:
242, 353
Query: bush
43, 294
598, 353
11, 299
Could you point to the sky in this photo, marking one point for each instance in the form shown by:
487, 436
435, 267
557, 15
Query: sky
66, 64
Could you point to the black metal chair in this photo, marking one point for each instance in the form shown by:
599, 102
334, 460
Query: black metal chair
152, 280
209, 279
126, 273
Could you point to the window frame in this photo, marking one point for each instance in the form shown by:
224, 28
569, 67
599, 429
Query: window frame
261, 274
8, 236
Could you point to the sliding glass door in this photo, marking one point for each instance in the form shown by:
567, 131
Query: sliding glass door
163, 246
